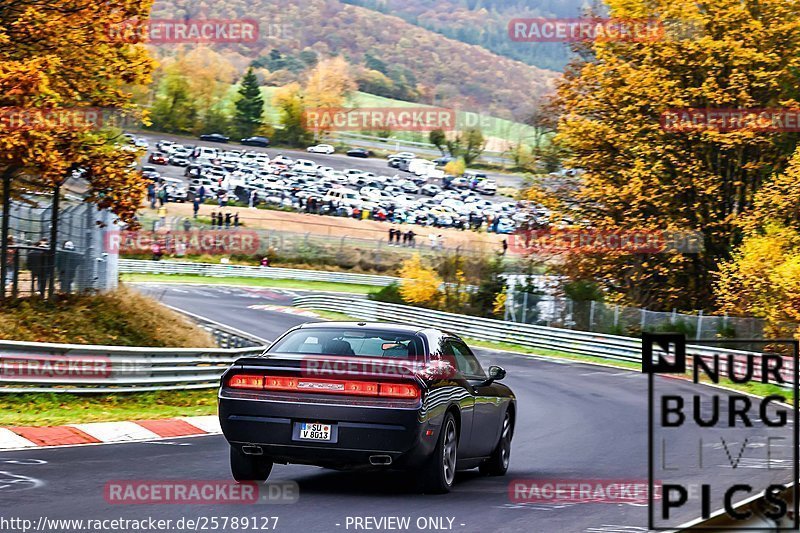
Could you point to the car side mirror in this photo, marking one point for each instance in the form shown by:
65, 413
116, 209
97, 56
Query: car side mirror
496, 373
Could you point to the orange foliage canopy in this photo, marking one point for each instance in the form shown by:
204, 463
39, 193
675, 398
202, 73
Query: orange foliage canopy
61, 68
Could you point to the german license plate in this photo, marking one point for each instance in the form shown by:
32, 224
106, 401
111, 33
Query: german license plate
315, 431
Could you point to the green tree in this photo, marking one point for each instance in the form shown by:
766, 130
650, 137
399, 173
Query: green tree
174, 110
468, 145
438, 138
291, 107
249, 107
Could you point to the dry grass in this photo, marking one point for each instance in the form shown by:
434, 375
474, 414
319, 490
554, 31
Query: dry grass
121, 318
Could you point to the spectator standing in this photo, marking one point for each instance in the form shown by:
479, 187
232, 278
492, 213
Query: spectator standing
505, 246
162, 216
151, 195
38, 265
162, 195
67, 263
411, 238
11, 255
196, 205
227, 220
236, 220
214, 219
391, 236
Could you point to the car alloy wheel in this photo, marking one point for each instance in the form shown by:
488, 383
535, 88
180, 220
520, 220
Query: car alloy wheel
505, 441
497, 464
449, 452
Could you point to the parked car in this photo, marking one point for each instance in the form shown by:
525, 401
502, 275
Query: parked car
176, 190
157, 158
179, 161
215, 137
256, 141
487, 187
321, 149
305, 166
430, 189
423, 416
359, 152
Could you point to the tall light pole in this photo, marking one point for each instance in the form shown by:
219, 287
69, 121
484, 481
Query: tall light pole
4, 243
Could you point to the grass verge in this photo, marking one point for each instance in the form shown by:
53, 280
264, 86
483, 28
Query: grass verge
252, 282
56, 409
120, 318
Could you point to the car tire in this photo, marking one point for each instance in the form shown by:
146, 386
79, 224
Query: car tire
497, 464
439, 472
249, 468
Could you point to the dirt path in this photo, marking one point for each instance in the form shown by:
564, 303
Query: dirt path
342, 227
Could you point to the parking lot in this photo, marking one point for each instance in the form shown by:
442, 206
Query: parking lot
332, 184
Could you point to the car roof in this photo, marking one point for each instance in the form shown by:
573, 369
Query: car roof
427, 332
398, 328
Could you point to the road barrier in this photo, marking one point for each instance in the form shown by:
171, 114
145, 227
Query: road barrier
585, 343
134, 266
80, 369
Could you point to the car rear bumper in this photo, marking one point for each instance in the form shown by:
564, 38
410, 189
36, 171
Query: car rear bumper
359, 432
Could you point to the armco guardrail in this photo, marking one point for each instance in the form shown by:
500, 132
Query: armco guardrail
38, 367
134, 266
80, 369
575, 342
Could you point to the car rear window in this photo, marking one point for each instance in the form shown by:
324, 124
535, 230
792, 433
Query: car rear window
351, 342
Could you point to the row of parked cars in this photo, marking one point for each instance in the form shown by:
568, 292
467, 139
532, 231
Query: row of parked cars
410, 196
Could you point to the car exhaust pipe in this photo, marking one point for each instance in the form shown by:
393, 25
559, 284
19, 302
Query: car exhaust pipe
380, 460
252, 450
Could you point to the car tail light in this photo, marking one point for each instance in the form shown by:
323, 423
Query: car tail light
279, 383
325, 386
399, 390
245, 381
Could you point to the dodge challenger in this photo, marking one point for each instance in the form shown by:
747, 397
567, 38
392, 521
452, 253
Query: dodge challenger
362, 395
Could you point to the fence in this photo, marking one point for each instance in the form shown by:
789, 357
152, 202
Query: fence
63, 368
82, 262
553, 311
133, 266
610, 347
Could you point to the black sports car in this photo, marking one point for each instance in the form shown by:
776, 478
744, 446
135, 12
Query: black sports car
353, 395
215, 137
359, 152
256, 141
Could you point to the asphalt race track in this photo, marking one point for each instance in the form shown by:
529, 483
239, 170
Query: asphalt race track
576, 422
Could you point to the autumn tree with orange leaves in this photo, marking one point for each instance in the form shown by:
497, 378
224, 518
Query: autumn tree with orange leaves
63, 73
640, 176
